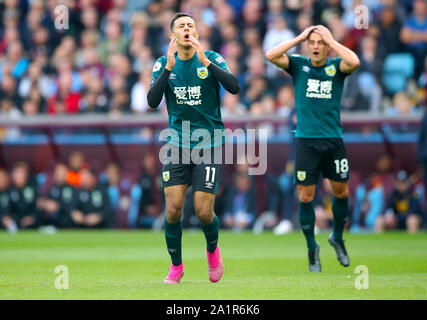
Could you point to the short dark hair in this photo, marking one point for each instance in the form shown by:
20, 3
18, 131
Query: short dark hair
310, 33
177, 16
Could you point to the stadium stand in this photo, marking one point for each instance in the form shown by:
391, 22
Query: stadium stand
84, 88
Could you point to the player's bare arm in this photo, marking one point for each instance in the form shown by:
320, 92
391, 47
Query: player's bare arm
278, 56
350, 61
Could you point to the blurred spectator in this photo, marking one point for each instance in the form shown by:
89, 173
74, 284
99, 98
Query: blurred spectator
389, 27
286, 188
110, 180
403, 208
76, 162
370, 196
422, 145
92, 207
256, 89
279, 32
114, 41
14, 60
363, 90
402, 105
65, 101
5, 210
146, 197
8, 110
139, 92
422, 82
23, 198
231, 105
35, 78
241, 207
285, 101
414, 34
8, 90
55, 208
30, 108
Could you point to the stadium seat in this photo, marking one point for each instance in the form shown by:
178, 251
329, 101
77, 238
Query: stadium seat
398, 67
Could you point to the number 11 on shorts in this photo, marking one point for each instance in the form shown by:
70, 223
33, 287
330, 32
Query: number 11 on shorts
208, 174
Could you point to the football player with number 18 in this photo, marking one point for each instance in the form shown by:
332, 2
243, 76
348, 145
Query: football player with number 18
318, 84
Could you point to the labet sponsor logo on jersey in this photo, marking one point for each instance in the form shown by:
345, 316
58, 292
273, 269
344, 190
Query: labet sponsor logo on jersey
319, 89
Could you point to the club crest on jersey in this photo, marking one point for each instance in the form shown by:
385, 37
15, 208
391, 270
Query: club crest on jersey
166, 176
157, 66
330, 70
202, 72
301, 175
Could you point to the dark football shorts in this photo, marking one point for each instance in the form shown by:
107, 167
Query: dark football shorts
320, 155
201, 172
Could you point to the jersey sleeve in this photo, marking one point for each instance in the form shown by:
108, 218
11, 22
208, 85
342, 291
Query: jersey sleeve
218, 60
295, 60
336, 62
158, 68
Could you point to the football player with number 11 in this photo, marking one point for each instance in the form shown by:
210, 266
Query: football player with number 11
190, 78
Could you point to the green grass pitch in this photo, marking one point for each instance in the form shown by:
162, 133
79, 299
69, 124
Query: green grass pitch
133, 265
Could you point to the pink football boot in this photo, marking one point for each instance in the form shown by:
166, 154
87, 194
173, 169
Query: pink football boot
175, 274
215, 265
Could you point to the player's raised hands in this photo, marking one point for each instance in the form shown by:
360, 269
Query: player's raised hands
303, 35
325, 33
171, 54
200, 51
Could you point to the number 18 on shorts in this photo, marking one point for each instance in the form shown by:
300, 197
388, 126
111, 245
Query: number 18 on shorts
315, 156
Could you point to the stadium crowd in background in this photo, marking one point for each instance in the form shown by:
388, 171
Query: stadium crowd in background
102, 63
75, 196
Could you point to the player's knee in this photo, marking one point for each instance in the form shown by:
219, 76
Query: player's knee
174, 212
205, 216
342, 193
306, 197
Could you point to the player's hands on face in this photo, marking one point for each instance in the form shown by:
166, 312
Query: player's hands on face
325, 33
200, 51
304, 35
171, 54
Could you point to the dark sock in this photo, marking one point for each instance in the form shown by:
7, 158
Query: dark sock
341, 213
306, 219
211, 234
173, 235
